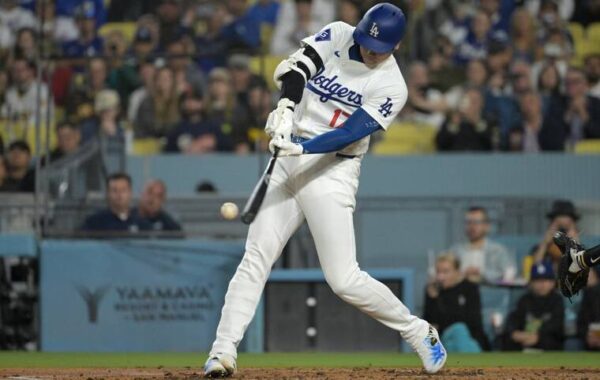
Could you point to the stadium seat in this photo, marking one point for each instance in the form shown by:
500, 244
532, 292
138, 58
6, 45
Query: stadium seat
593, 33
265, 66
577, 31
145, 147
127, 28
588, 147
11, 131
407, 138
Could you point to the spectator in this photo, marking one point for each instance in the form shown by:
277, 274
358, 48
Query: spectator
14, 18
475, 44
482, 259
525, 138
4, 180
455, 25
244, 135
212, 46
21, 98
588, 318
70, 8
426, 103
21, 177
523, 35
187, 75
296, 23
89, 44
555, 51
563, 216
68, 137
57, 28
83, 90
592, 70
565, 7
453, 305
144, 44
241, 76
520, 78
150, 207
224, 108
538, 321
443, 73
26, 44
466, 129
242, 33
169, 17
146, 73
477, 76
572, 118
158, 112
349, 11
106, 123
548, 84
194, 134
118, 216
586, 12
206, 187
119, 11
122, 74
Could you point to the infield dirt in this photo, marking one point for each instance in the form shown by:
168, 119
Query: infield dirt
299, 373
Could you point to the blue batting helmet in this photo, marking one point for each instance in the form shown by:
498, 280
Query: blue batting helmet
381, 28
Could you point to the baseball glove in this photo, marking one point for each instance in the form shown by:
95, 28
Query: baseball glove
569, 283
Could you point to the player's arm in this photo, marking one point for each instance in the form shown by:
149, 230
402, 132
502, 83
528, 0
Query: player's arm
291, 75
359, 125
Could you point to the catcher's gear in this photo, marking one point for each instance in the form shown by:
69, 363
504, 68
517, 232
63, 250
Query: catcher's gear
569, 283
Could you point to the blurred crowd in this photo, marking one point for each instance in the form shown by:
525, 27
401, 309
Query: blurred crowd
482, 74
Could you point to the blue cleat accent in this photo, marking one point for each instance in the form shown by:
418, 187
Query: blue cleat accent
431, 351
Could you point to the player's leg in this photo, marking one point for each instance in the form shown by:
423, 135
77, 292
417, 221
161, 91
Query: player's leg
328, 204
277, 220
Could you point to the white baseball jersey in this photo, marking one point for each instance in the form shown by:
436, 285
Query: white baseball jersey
344, 85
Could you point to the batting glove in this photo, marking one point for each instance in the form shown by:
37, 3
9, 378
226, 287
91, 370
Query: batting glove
280, 121
286, 148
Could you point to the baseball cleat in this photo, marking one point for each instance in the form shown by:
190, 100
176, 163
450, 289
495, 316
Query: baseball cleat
572, 270
431, 351
219, 366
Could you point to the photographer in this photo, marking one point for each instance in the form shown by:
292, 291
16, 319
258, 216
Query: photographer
563, 216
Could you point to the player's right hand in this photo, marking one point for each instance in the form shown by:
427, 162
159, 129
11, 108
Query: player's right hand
280, 121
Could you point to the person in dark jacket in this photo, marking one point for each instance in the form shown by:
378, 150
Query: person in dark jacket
571, 118
453, 300
151, 209
588, 319
467, 129
118, 216
538, 321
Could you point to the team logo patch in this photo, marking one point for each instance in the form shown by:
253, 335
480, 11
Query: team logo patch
386, 108
374, 30
324, 35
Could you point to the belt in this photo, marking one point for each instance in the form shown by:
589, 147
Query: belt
299, 140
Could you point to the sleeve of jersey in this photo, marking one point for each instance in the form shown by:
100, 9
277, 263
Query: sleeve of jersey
325, 42
359, 125
385, 103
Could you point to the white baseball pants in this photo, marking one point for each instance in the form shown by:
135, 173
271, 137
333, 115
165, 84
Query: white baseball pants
320, 188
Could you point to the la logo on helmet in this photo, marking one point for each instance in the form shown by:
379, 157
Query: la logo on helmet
374, 30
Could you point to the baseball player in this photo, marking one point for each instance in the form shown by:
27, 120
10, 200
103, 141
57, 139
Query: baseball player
342, 85
574, 265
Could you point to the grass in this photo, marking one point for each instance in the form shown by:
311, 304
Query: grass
117, 360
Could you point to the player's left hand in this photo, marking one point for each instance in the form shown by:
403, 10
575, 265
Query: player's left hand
286, 148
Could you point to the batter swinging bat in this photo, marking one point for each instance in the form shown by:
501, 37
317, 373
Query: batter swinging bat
258, 194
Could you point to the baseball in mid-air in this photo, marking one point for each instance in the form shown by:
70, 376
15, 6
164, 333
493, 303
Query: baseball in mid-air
229, 210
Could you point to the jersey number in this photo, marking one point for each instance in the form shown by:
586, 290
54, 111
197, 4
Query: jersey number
336, 115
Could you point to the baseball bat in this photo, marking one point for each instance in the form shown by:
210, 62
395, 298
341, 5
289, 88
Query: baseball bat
258, 194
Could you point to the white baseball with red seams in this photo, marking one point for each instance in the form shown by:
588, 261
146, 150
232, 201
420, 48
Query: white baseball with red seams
321, 188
